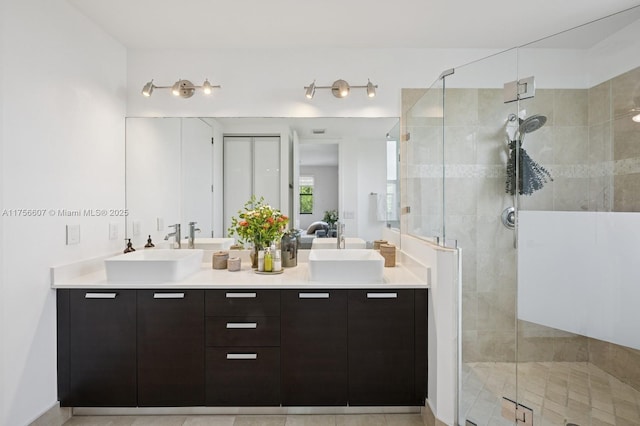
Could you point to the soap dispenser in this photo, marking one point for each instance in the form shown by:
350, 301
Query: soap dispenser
129, 248
149, 243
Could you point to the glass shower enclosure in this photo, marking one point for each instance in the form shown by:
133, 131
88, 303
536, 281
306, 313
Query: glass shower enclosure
530, 161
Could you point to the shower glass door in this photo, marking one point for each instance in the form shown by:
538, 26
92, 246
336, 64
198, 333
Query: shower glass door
476, 154
578, 226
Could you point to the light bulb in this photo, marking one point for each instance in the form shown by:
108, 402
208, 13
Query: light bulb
206, 87
371, 89
147, 90
311, 90
636, 118
175, 89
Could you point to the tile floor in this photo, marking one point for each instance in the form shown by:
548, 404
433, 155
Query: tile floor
558, 393
252, 420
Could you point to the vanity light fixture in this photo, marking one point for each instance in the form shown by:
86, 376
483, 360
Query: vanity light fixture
340, 89
183, 88
310, 90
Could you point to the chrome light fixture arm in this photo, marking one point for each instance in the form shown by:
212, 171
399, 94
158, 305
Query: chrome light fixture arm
182, 88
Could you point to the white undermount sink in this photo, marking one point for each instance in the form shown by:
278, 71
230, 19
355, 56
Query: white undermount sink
213, 243
153, 266
346, 266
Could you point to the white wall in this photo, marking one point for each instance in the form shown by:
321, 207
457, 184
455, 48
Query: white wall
442, 319
63, 99
3, 318
325, 192
270, 82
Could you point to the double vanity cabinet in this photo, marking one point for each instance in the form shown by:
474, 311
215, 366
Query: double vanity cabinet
314, 346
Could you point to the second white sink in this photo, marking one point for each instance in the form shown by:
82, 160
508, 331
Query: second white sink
152, 266
346, 266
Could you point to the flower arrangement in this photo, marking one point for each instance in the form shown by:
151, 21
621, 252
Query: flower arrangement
259, 224
331, 217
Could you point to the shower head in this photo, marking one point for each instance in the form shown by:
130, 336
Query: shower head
531, 124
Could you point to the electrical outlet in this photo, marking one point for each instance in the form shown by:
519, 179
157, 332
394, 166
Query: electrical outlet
73, 234
136, 228
160, 224
113, 231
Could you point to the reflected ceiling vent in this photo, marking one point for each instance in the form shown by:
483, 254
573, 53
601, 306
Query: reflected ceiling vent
318, 131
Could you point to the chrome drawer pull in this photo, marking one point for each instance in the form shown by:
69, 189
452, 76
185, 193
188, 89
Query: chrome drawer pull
242, 356
313, 295
100, 295
242, 325
168, 295
382, 295
241, 295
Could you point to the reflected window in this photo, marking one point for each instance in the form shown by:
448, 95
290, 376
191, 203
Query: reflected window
306, 194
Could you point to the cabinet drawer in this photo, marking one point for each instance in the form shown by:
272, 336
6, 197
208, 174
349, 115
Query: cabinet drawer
243, 331
243, 303
246, 376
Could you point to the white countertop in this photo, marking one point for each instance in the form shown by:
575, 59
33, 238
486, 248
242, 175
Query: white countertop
406, 274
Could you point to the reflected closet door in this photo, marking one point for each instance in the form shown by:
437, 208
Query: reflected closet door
251, 166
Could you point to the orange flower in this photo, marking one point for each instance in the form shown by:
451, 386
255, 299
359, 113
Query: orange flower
243, 223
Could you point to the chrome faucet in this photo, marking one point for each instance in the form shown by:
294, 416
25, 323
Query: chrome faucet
175, 234
192, 234
340, 235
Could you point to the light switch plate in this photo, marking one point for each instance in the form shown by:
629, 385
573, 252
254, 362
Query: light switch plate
136, 228
160, 224
73, 234
113, 231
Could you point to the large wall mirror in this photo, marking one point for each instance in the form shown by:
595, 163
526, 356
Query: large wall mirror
176, 168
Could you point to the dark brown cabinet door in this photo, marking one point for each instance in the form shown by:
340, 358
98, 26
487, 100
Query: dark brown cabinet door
97, 348
314, 347
243, 376
171, 348
381, 347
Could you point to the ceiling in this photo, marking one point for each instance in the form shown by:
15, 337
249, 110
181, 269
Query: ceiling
342, 23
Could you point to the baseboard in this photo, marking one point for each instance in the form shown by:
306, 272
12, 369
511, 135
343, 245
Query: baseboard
54, 416
195, 411
429, 418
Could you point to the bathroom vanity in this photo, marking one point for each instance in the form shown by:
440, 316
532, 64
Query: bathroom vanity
233, 339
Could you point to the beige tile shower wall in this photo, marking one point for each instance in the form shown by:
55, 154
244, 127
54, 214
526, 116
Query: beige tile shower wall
611, 126
625, 89
476, 154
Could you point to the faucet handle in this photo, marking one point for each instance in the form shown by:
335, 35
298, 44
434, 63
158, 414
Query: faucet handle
193, 223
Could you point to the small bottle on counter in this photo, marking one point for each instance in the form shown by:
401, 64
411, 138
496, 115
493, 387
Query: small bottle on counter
261, 261
268, 261
277, 260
